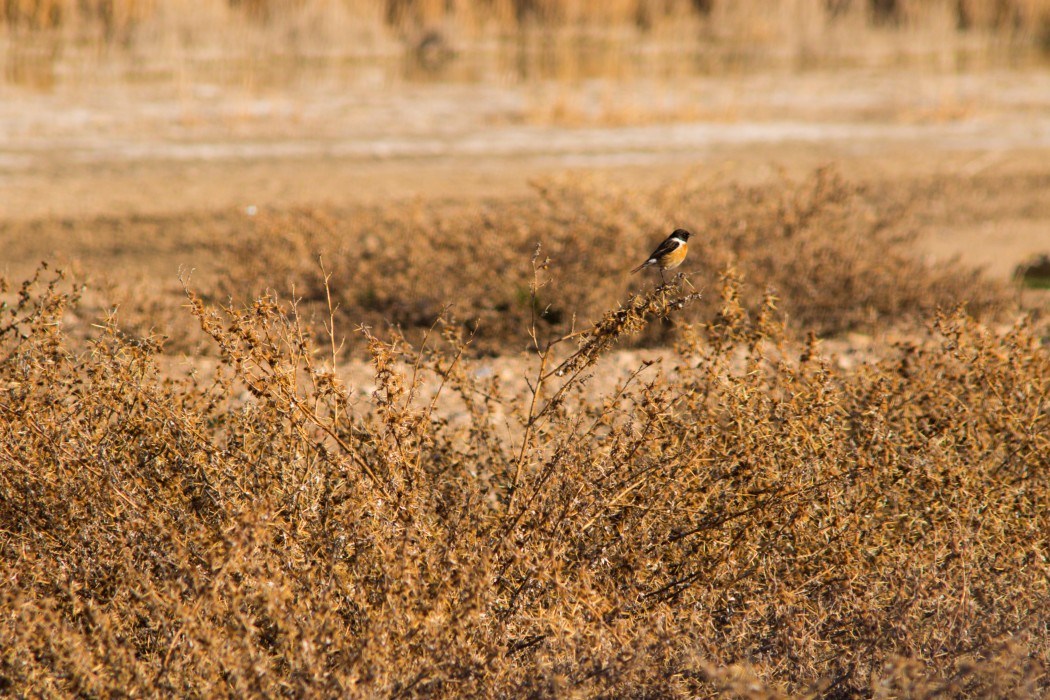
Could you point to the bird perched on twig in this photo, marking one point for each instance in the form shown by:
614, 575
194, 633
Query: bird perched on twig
669, 254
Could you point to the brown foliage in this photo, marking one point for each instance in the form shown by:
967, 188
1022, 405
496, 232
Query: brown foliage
756, 520
837, 258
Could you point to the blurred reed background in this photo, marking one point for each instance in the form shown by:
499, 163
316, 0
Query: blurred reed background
49, 41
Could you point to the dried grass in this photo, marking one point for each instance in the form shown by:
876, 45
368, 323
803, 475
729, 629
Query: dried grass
757, 520
839, 257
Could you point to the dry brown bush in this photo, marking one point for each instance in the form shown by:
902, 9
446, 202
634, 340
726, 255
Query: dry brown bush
836, 256
840, 256
757, 521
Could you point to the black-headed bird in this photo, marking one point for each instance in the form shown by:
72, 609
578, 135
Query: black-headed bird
669, 254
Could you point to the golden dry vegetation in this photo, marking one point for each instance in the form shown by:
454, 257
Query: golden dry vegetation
752, 517
840, 256
837, 254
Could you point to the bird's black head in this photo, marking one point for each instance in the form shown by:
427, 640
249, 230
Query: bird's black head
681, 233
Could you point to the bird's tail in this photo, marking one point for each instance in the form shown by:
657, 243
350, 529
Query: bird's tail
644, 264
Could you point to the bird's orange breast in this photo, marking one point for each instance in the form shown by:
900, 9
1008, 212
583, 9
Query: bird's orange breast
674, 258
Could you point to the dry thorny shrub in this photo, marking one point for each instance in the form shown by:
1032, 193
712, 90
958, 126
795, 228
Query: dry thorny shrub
838, 257
756, 520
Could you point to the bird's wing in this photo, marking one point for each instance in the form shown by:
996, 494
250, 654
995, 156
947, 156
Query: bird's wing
668, 246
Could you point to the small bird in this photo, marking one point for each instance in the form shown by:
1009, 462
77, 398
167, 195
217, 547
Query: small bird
669, 254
